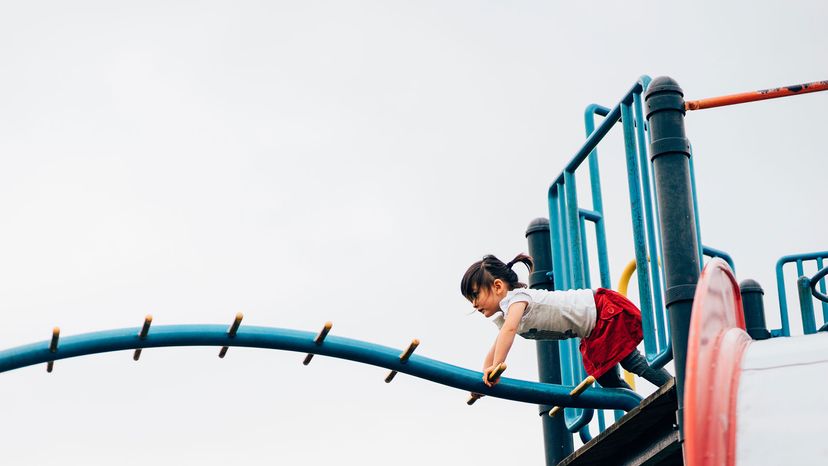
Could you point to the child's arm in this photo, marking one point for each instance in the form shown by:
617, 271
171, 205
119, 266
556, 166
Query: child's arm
487, 364
505, 339
490, 356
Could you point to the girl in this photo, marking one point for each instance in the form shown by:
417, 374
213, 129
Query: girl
608, 324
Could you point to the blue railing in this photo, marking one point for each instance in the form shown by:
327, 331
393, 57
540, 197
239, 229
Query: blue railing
568, 231
570, 254
305, 342
806, 299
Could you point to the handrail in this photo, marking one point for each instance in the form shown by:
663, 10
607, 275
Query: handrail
785, 330
567, 229
304, 342
765, 94
713, 252
819, 278
592, 141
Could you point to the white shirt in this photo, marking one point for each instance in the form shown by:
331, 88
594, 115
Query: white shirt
551, 315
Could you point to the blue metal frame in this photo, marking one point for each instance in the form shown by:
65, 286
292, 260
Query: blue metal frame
569, 248
820, 278
713, 252
780, 290
568, 234
567, 228
303, 342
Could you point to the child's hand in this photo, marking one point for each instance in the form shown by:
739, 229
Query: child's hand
487, 373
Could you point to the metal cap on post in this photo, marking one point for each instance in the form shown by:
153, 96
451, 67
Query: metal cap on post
670, 155
557, 439
754, 307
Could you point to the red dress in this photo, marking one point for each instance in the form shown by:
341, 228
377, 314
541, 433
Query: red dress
616, 334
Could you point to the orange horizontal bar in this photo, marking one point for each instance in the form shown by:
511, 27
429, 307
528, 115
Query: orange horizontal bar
756, 95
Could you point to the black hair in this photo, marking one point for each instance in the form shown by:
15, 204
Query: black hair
483, 273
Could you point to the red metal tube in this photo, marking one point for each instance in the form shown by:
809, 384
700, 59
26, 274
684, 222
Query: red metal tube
756, 95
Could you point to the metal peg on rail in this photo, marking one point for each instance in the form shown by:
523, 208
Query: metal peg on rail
494, 375
404, 358
574, 393
231, 332
53, 346
143, 335
318, 340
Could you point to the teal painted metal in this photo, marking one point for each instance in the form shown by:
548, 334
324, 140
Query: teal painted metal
696, 211
562, 255
820, 278
584, 434
576, 263
653, 247
806, 305
568, 230
639, 242
713, 252
303, 342
597, 199
584, 250
785, 330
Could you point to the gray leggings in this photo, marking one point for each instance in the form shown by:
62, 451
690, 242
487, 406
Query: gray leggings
637, 364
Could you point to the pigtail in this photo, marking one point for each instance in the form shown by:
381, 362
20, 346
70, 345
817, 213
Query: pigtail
526, 260
510, 274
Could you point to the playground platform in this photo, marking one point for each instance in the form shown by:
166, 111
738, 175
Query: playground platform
647, 435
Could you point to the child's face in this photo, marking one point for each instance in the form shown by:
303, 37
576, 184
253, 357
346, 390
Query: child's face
487, 301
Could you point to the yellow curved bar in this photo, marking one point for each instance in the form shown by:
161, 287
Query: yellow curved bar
626, 275
623, 284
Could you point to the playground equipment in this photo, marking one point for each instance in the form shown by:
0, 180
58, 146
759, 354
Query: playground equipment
494, 375
729, 367
575, 392
305, 342
757, 95
404, 358
652, 138
738, 389
318, 341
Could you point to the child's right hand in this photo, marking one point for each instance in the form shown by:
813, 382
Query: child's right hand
487, 373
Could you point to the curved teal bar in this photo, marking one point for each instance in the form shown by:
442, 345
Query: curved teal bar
303, 342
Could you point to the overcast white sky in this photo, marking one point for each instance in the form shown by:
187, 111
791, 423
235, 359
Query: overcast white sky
345, 161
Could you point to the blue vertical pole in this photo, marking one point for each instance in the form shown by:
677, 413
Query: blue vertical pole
652, 245
597, 199
806, 304
670, 155
639, 241
822, 289
783, 299
557, 440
